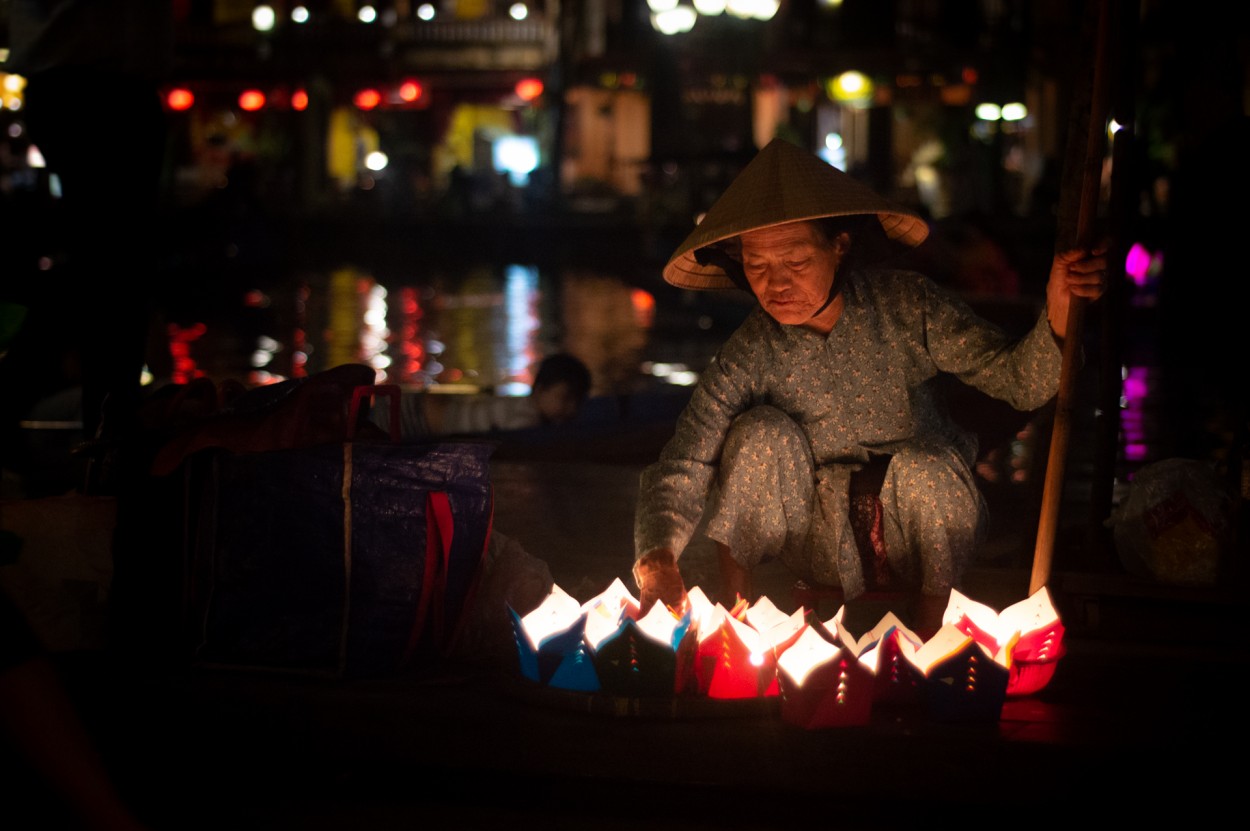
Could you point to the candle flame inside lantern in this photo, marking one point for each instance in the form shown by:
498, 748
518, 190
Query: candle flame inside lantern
557, 612
805, 655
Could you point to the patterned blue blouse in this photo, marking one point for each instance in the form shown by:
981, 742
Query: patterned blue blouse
862, 389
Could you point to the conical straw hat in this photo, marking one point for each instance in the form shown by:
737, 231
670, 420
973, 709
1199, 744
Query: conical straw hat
784, 183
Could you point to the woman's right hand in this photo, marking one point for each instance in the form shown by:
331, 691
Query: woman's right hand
658, 578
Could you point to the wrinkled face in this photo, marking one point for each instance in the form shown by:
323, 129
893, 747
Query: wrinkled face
791, 268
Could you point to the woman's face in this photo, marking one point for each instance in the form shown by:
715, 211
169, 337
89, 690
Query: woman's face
791, 268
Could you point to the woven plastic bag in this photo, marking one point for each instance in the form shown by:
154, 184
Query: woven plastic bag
1175, 525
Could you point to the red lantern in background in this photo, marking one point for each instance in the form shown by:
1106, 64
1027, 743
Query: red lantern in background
411, 90
299, 100
527, 89
251, 100
367, 99
179, 99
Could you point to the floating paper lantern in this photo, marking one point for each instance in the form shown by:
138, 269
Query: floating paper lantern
701, 611
708, 618
1029, 631
600, 645
699, 604
738, 660
640, 658
607, 611
551, 644
745, 666
824, 674
962, 679
708, 645
896, 679
824, 684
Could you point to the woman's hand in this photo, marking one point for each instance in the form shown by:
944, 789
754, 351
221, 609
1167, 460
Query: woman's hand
659, 578
1079, 272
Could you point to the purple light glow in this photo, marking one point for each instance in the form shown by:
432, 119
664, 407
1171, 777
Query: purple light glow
1137, 264
1135, 385
1136, 388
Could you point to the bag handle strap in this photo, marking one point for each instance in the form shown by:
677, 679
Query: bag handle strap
439, 528
369, 391
471, 594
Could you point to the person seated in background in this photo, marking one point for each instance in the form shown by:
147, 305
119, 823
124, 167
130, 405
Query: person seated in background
561, 386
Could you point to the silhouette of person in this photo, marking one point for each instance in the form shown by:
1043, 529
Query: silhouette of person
93, 110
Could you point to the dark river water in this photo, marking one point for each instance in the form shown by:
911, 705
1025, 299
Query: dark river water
451, 306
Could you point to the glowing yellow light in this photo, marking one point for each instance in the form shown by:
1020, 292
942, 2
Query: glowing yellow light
852, 83
989, 112
850, 87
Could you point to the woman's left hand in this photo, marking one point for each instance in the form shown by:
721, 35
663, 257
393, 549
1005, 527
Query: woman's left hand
1079, 272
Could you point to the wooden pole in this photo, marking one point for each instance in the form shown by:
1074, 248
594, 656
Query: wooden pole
1085, 153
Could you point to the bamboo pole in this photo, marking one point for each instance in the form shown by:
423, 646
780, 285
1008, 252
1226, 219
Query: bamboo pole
1085, 153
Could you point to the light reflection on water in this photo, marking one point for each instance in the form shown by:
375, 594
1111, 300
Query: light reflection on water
485, 328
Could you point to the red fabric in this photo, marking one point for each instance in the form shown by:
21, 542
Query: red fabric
439, 525
869, 530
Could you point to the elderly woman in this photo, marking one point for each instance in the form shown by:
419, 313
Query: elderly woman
824, 391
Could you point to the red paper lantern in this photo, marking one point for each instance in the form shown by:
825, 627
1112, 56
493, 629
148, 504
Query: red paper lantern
1029, 632
824, 684
737, 658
